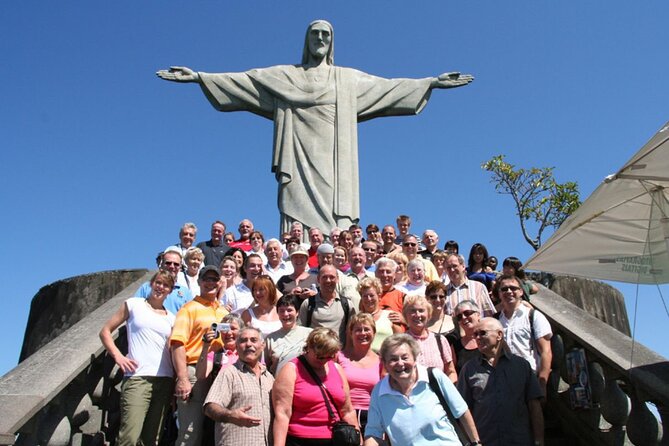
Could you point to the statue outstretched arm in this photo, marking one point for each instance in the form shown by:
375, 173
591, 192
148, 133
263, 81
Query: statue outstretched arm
451, 80
179, 74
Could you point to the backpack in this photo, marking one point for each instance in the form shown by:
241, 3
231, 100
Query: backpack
312, 306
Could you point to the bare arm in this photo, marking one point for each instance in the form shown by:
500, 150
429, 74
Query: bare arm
449, 370
467, 423
235, 416
398, 321
451, 80
282, 401
183, 386
373, 441
179, 74
449, 363
536, 420
246, 317
125, 364
544, 349
204, 367
534, 289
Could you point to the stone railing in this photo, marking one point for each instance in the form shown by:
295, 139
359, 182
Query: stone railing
620, 384
66, 393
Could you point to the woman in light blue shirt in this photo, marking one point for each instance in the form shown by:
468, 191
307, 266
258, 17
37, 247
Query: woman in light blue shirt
405, 409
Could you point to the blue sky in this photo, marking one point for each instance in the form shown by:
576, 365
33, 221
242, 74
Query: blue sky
103, 162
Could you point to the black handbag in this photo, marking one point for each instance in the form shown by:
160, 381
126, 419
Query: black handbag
343, 434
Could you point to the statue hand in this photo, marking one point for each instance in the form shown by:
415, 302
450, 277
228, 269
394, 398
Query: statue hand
451, 80
179, 74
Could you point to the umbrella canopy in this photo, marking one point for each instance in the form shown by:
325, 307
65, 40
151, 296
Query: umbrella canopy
621, 232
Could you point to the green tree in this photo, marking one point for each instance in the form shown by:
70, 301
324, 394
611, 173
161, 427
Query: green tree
536, 194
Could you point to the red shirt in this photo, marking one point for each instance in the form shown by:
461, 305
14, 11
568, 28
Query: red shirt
392, 300
313, 258
244, 245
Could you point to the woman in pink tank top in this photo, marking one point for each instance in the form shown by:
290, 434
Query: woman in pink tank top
301, 415
361, 365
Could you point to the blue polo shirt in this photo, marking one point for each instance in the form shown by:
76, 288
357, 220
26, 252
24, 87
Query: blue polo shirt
418, 419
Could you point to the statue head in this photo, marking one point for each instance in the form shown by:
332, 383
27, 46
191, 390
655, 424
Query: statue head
315, 42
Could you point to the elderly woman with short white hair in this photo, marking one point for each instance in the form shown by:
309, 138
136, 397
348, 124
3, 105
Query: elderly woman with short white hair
415, 283
405, 408
188, 278
435, 350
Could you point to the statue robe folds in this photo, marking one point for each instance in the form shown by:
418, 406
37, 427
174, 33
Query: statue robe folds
315, 156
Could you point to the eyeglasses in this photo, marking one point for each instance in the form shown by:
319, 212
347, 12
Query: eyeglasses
481, 333
509, 288
465, 314
436, 296
410, 244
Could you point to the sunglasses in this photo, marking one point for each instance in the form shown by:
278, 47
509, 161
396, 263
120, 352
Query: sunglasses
409, 244
481, 333
509, 288
465, 314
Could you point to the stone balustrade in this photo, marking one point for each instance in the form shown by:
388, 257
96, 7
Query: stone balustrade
623, 376
66, 392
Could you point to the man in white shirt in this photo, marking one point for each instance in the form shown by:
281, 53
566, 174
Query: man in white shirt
430, 241
276, 266
529, 339
187, 235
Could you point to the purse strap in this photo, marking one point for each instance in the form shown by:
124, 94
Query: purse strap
434, 385
322, 388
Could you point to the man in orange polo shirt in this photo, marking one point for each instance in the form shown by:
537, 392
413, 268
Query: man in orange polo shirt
193, 320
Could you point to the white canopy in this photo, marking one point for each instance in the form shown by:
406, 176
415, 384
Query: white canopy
621, 232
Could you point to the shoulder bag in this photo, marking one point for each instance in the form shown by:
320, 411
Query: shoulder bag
343, 434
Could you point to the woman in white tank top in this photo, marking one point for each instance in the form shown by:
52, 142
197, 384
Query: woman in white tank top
148, 383
262, 315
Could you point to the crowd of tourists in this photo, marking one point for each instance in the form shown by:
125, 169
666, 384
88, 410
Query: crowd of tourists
349, 337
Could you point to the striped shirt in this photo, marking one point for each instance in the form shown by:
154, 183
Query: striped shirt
469, 290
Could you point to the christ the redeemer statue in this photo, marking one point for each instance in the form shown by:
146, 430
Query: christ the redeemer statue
315, 107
